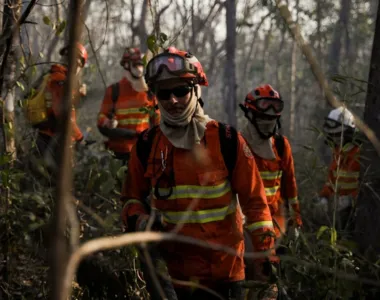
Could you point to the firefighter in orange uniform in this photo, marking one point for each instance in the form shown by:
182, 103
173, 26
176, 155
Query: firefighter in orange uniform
273, 155
193, 188
54, 95
344, 170
122, 115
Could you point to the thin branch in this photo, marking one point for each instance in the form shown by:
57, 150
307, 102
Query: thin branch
96, 57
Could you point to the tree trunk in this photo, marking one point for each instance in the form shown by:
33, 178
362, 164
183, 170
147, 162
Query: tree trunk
230, 72
368, 209
293, 89
11, 14
143, 35
336, 44
59, 249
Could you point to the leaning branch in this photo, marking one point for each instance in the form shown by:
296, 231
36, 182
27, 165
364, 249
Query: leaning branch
317, 71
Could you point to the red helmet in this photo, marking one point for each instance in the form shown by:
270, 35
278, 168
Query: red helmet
81, 51
263, 98
131, 55
174, 63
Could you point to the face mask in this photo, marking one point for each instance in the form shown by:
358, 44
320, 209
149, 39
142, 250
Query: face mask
137, 71
266, 126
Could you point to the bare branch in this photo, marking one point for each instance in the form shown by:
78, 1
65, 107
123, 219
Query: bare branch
108, 243
64, 182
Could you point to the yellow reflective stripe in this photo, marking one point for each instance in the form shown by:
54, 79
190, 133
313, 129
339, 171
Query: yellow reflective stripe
131, 201
126, 111
345, 185
197, 191
199, 216
259, 225
293, 200
346, 174
133, 121
270, 175
271, 191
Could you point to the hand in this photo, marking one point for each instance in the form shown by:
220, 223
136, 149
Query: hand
344, 202
110, 123
143, 221
83, 90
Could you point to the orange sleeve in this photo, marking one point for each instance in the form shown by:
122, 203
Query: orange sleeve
290, 190
106, 107
135, 188
246, 181
56, 88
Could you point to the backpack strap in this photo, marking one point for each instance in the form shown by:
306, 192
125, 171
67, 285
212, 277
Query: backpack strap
228, 146
279, 142
114, 96
144, 145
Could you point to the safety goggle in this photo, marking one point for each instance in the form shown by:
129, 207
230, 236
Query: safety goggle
173, 63
332, 124
264, 104
179, 91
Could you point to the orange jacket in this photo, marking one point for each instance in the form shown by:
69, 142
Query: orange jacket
127, 114
346, 179
271, 172
214, 215
54, 95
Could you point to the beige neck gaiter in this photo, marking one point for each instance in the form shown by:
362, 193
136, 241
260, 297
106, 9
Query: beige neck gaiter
189, 127
261, 147
138, 84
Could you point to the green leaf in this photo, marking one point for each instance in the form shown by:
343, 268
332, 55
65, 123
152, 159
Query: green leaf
321, 230
20, 85
46, 20
334, 236
144, 60
22, 61
60, 28
152, 44
41, 55
121, 172
4, 159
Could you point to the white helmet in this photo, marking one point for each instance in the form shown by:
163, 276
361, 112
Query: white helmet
338, 120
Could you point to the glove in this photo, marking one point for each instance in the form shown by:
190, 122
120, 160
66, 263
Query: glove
344, 202
157, 225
